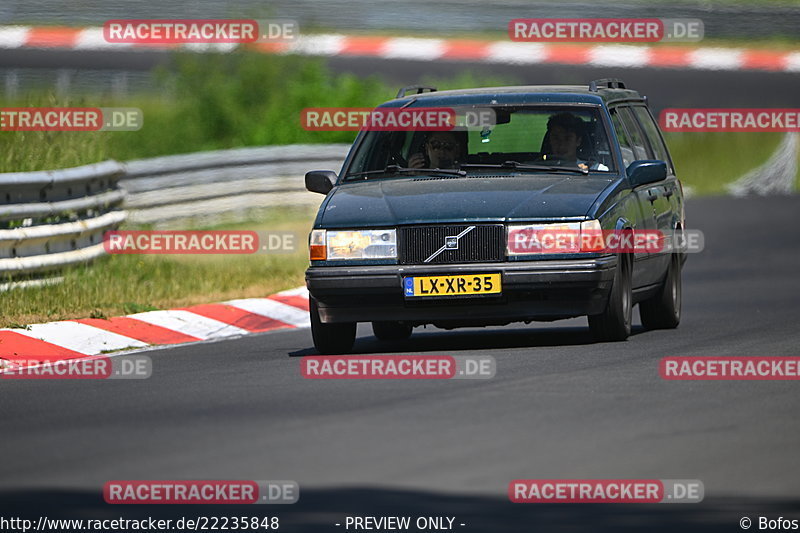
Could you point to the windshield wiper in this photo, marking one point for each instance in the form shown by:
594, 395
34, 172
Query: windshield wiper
522, 166
396, 169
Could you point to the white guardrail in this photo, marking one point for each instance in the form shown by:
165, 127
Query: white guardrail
53, 219
56, 218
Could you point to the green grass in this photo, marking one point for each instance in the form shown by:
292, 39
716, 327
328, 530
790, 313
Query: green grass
125, 284
210, 102
708, 161
213, 101
23, 151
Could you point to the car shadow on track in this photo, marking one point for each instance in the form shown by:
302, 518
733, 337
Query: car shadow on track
436, 340
321, 510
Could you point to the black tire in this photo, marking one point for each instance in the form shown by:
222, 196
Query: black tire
391, 331
663, 311
614, 323
330, 339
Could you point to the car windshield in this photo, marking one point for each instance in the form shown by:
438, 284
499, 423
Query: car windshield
526, 139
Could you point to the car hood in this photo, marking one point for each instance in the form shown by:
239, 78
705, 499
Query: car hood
408, 200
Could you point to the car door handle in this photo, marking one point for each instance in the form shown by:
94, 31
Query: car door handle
668, 193
652, 196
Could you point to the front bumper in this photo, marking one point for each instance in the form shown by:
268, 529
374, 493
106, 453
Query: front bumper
531, 290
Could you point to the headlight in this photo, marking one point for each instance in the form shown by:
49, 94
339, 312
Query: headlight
558, 238
335, 245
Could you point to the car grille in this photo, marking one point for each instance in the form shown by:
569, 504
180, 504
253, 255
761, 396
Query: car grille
484, 243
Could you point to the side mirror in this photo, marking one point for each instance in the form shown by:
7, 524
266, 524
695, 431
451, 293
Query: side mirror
321, 181
646, 171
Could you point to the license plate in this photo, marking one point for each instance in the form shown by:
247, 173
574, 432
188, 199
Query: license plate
419, 286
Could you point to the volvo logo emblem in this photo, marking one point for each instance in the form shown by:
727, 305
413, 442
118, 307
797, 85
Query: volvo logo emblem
450, 243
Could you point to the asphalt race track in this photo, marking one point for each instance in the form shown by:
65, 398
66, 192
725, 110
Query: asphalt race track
560, 406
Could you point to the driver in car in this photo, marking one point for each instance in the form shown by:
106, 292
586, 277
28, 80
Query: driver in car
443, 149
565, 132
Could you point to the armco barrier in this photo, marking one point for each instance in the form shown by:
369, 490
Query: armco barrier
57, 218
227, 185
52, 219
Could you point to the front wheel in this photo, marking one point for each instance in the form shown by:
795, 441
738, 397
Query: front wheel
614, 323
329, 339
663, 311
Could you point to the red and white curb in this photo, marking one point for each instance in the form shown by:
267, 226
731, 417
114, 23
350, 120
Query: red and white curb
428, 49
71, 339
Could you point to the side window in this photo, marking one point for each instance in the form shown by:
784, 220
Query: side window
624, 142
653, 135
640, 147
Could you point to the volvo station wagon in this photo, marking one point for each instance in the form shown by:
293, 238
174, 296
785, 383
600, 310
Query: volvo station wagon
432, 227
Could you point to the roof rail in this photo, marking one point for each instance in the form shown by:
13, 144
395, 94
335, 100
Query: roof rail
610, 83
418, 89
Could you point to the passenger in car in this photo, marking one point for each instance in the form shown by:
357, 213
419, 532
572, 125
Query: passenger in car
565, 135
442, 149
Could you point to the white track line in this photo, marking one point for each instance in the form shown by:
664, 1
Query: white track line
299, 291
619, 56
517, 53
405, 48
716, 58
79, 337
275, 310
93, 39
189, 323
220, 48
319, 45
13, 36
793, 62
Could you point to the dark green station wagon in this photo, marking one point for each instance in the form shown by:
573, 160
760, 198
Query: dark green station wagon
431, 227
